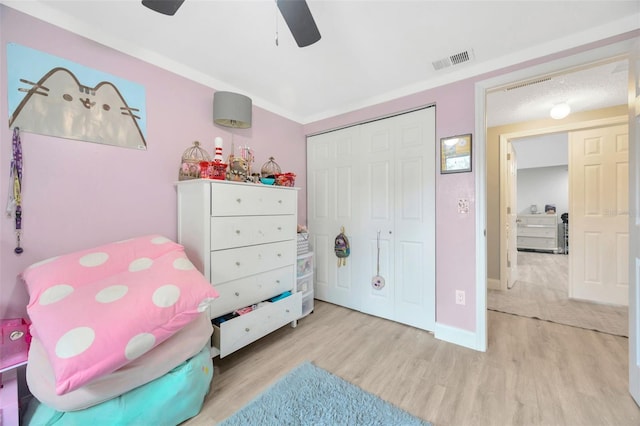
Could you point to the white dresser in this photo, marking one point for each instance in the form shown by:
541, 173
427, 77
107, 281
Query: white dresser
538, 232
242, 237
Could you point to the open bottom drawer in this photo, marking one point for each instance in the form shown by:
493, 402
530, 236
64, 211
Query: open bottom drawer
238, 332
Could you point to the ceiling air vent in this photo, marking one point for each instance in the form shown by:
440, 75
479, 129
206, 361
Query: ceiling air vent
527, 83
449, 61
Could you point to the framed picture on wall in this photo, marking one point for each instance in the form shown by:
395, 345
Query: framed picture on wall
455, 154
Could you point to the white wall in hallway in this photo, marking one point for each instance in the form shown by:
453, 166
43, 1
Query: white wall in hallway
543, 185
542, 150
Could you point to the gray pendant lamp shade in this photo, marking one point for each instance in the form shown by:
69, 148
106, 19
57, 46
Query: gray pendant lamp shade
232, 110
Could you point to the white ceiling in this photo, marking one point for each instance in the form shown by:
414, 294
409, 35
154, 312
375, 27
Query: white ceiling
371, 51
598, 86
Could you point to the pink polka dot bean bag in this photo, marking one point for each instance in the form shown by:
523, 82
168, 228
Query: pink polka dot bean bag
96, 310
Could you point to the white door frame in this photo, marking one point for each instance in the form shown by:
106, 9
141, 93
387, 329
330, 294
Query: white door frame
621, 50
509, 193
634, 221
504, 138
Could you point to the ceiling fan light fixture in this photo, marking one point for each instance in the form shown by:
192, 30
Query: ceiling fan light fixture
560, 111
298, 18
166, 7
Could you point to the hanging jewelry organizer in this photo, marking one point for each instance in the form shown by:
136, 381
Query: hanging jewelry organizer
14, 201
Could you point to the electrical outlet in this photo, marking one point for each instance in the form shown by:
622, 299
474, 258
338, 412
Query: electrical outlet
460, 297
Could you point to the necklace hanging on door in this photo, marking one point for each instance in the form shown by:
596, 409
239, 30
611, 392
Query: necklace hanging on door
378, 280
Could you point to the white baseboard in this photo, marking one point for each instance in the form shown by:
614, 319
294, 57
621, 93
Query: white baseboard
493, 284
458, 336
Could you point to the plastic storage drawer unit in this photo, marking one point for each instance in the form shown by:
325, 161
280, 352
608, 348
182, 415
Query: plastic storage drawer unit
304, 264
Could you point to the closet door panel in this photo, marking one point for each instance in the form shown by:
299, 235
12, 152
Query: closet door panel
414, 223
331, 171
411, 197
343, 193
376, 202
378, 139
381, 178
378, 301
379, 203
320, 243
412, 290
321, 181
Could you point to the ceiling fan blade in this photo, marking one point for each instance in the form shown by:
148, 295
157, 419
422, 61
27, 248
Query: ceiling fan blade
298, 17
166, 7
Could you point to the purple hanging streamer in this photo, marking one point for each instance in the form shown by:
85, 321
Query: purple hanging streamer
16, 171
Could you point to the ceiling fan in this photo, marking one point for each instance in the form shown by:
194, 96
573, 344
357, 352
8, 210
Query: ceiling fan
296, 14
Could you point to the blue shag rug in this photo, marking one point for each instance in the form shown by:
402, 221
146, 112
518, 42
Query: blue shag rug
309, 395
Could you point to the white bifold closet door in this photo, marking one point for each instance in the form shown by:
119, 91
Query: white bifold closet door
369, 178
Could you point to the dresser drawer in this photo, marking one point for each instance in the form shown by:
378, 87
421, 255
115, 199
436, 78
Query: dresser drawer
537, 243
240, 200
238, 231
541, 219
236, 333
536, 231
247, 291
232, 264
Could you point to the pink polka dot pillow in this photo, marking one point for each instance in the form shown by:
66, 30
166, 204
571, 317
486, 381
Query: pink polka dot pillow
96, 310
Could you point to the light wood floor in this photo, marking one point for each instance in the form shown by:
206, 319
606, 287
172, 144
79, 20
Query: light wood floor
533, 373
541, 291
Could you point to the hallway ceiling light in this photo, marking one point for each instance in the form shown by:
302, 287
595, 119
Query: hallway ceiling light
560, 111
452, 141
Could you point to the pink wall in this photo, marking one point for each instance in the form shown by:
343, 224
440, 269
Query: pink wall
80, 194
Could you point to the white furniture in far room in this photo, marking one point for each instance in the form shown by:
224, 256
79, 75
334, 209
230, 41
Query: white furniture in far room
242, 237
538, 232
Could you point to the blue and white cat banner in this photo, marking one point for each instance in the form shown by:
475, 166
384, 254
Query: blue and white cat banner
52, 96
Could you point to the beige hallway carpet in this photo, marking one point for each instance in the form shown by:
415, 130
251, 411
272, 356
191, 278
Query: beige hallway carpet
542, 292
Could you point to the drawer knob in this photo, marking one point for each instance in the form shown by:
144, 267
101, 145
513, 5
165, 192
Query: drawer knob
238, 200
238, 231
237, 263
277, 281
279, 201
247, 329
279, 254
236, 293
279, 228
287, 311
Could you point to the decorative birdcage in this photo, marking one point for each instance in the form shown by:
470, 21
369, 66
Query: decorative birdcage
191, 158
270, 168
